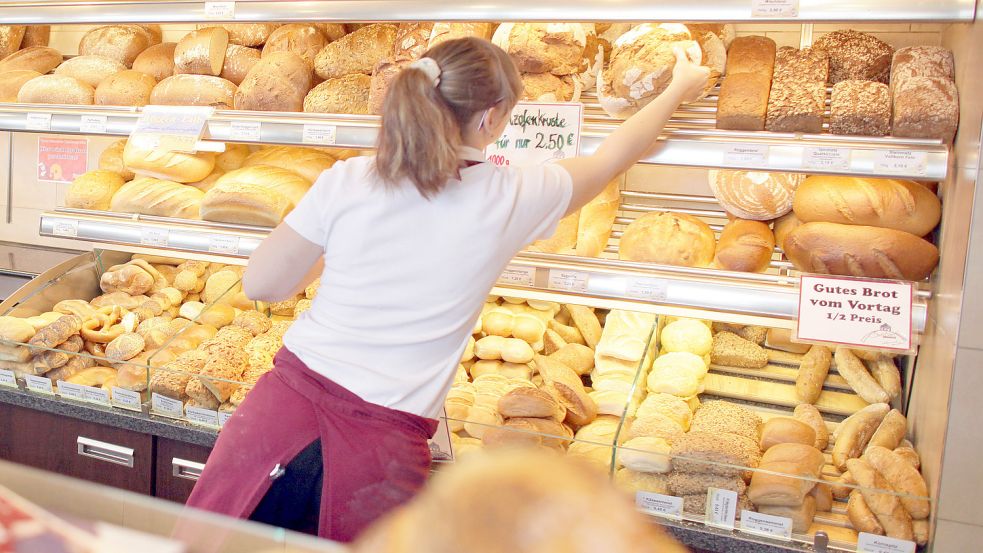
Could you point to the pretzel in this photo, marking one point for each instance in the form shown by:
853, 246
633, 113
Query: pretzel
105, 328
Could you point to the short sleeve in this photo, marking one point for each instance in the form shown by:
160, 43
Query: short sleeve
310, 218
542, 198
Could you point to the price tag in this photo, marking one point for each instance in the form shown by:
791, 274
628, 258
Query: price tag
93, 124
652, 289
721, 508
245, 130
156, 237
8, 378
95, 395
38, 384
171, 128
220, 10
568, 281
163, 405
319, 134
746, 155
228, 245
518, 275
38, 122
223, 417
66, 228
774, 8
823, 157
659, 505
872, 543
126, 399
900, 162
537, 133
766, 525
198, 415
70, 390
856, 312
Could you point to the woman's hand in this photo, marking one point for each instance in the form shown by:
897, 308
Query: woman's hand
689, 79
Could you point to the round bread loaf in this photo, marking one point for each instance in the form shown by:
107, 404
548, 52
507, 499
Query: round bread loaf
249, 34
36, 58
668, 238
93, 190
154, 31
194, 90
546, 87
745, 246
91, 70
278, 82
557, 48
12, 81
358, 52
238, 61
382, 78
856, 55
122, 43
201, 52
56, 89
126, 88
111, 159
411, 40
302, 39
755, 195
11, 37
309, 163
172, 166
156, 61
36, 35
348, 94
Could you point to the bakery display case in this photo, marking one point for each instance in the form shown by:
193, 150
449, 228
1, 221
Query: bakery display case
650, 336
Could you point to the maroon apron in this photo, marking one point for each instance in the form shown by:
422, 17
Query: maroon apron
374, 458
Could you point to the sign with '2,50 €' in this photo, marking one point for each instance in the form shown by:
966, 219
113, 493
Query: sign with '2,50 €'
537, 133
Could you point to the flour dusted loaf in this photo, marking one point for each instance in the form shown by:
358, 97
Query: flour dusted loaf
126, 88
382, 78
150, 196
347, 94
257, 195
755, 195
37, 58
162, 164
12, 81
921, 61
249, 34
238, 61
861, 108
926, 107
358, 52
55, 89
157, 61
278, 82
557, 48
91, 70
302, 39
856, 56
11, 37
122, 43
411, 40
93, 190
668, 238
194, 90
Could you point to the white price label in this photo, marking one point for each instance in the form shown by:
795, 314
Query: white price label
38, 122
66, 228
746, 155
93, 124
721, 508
517, 275
319, 134
220, 10
872, 543
70, 390
659, 505
8, 378
900, 162
228, 245
224, 416
537, 133
163, 405
95, 395
155, 237
246, 130
171, 128
126, 399
198, 415
856, 312
766, 525
652, 289
568, 281
774, 8
823, 157
38, 384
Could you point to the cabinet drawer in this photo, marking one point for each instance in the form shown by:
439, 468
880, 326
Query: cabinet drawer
178, 467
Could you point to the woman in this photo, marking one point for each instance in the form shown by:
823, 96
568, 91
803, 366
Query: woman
408, 244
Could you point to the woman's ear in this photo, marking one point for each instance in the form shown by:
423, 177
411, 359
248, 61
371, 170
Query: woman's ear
498, 117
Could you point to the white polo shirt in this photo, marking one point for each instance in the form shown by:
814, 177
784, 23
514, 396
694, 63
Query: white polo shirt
405, 277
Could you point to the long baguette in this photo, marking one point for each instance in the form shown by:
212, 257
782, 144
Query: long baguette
857, 376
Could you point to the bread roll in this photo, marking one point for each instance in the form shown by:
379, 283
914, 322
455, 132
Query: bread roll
890, 432
232, 158
309, 163
11, 37
668, 238
111, 159
36, 35
808, 414
37, 58
823, 495
238, 61
858, 377
812, 374
249, 34
903, 478
357, 52
596, 221
780, 430
856, 55
751, 54
126, 88
12, 81
348, 94
278, 82
15, 329
557, 48
91, 70
122, 43
730, 418
646, 454
93, 190
55, 89
568, 389
853, 433
301, 39
528, 402
156, 61
887, 375
784, 225
701, 452
162, 164
412, 39
781, 339
745, 246
755, 195
258, 195
886, 506
734, 351
150, 196
332, 31
194, 90
201, 52
861, 518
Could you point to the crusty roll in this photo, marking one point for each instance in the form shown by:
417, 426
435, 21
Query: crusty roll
567, 387
852, 434
858, 377
122, 43
93, 190
194, 90
886, 506
890, 432
668, 238
596, 221
557, 48
784, 226
309, 163
278, 82
257, 195
807, 413
150, 196
91, 70
780, 430
348, 94
357, 52
861, 518
756, 195
55, 89
302, 39
126, 88
238, 61
812, 373
12, 81
201, 52
249, 34
162, 164
854, 250
156, 61
745, 246
36, 35
903, 478
37, 58
528, 402
11, 37
781, 339
801, 515
887, 375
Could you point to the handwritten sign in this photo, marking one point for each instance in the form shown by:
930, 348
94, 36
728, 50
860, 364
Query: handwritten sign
171, 128
62, 159
537, 133
872, 543
856, 312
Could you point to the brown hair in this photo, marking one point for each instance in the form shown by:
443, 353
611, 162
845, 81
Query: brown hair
422, 123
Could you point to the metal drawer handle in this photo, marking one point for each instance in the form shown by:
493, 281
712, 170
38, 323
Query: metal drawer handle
189, 470
111, 453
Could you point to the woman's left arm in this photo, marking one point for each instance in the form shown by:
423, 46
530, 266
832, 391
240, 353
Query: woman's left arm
282, 266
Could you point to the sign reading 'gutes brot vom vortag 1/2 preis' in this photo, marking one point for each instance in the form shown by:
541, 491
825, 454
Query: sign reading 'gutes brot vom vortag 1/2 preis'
537, 133
856, 312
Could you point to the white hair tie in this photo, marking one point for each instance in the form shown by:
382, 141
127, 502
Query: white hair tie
430, 67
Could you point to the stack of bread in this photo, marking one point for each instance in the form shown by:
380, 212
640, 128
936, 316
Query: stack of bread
683, 359
798, 90
557, 60
624, 350
926, 103
788, 446
586, 231
863, 227
743, 101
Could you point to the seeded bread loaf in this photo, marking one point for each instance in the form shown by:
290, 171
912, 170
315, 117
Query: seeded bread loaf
809, 65
860, 108
796, 107
412, 40
126, 88
358, 52
348, 94
37, 58
194, 90
156, 61
278, 82
382, 78
921, 61
856, 56
55, 89
303, 40
122, 43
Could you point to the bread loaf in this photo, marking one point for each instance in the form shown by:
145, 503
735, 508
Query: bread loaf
442, 32
885, 505
743, 102
93, 190
860, 108
812, 374
921, 61
232, 158
557, 48
278, 82
238, 61
357, 52
126, 88
348, 94
861, 518
796, 107
668, 238
926, 107
12, 81
258, 195
36, 35
564, 238
303, 40
745, 246
249, 34
111, 159
781, 430
888, 203
162, 164
382, 77
156, 61
332, 31
150, 196
751, 54
153, 30
309, 163
194, 90
546, 87
853, 250
55, 89
37, 58
808, 65
201, 52
755, 195
597, 219
784, 225
801, 515
11, 37
122, 43
91, 70
411, 40
856, 55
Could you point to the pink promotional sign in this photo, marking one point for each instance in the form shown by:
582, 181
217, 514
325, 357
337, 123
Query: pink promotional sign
62, 159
